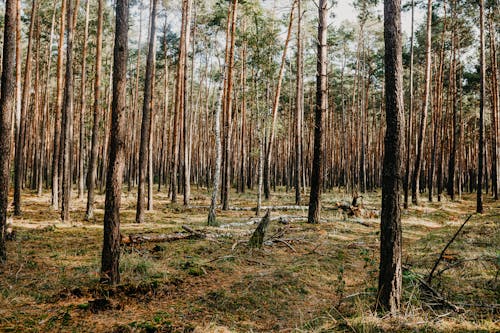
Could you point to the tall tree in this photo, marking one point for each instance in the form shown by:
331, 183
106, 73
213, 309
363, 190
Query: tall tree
20, 139
146, 117
83, 103
57, 120
495, 106
482, 100
409, 123
228, 102
110, 272
390, 275
425, 108
319, 109
299, 107
7, 104
67, 112
277, 94
92, 169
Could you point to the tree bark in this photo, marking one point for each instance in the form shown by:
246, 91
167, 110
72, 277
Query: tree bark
299, 107
425, 107
410, 113
92, 169
57, 119
390, 275
482, 100
146, 115
20, 139
83, 104
67, 111
320, 109
7, 105
110, 272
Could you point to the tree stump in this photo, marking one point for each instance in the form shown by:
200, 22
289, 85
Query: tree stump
257, 238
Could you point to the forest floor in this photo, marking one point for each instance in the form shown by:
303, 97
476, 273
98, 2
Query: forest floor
306, 278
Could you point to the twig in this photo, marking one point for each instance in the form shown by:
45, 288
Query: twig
286, 243
429, 279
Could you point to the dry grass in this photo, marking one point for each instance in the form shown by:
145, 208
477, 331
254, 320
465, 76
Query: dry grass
327, 283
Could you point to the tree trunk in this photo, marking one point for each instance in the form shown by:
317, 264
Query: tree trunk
57, 119
228, 103
269, 150
299, 107
146, 115
482, 100
218, 156
495, 172
110, 272
409, 123
320, 109
92, 168
67, 111
20, 140
425, 107
390, 276
7, 105
83, 103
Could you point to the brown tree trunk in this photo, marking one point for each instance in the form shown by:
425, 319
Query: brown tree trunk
425, 107
228, 106
20, 140
495, 172
110, 272
7, 105
269, 150
83, 104
57, 119
299, 107
390, 275
409, 123
482, 100
146, 115
92, 168
67, 110
320, 109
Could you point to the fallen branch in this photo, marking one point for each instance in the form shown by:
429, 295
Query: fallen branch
163, 238
435, 294
429, 279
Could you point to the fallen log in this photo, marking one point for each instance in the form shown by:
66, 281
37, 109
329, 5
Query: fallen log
163, 238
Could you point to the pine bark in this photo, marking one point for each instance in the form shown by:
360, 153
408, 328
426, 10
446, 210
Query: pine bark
482, 100
299, 107
319, 111
67, 111
425, 107
92, 169
110, 272
7, 106
146, 117
390, 275
20, 140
